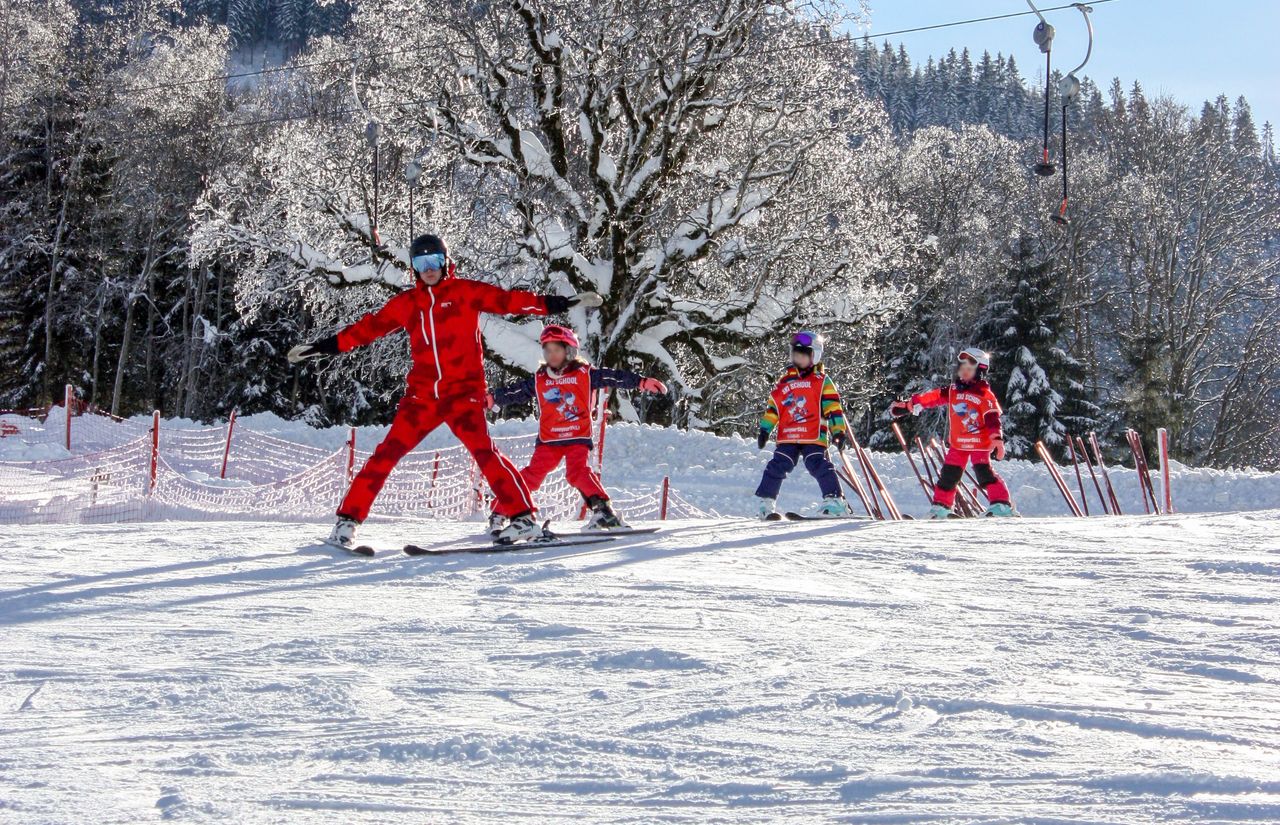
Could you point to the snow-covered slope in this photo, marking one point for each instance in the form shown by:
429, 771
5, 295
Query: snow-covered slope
1050, 670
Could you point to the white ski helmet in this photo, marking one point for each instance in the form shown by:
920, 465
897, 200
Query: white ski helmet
808, 342
978, 357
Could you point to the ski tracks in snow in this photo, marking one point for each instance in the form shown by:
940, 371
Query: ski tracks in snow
1114, 671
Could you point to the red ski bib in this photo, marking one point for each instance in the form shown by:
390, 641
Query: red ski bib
967, 413
564, 405
799, 403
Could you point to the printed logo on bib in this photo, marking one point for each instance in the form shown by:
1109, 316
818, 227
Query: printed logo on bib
798, 405
968, 417
566, 403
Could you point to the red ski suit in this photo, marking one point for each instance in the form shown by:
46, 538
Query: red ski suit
973, 427
564, 420
446, 384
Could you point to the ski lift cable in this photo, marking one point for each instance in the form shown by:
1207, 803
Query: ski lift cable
366, 108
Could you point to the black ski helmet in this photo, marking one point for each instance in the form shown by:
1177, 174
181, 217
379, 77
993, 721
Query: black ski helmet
427, 245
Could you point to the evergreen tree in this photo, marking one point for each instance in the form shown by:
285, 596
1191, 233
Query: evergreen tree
908, 369
1244, 133
1039, 382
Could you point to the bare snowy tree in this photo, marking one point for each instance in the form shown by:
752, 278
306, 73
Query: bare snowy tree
704, 166
1194, 281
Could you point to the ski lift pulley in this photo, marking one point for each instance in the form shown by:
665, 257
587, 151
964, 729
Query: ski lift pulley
1068, 91
1043, 37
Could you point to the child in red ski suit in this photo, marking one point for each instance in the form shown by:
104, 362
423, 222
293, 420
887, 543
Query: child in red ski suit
446, 385
563, 387
974, 433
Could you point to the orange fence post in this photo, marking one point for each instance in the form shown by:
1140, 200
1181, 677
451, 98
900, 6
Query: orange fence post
1162, 436
351, 456
68, 400
226, 451
155, 449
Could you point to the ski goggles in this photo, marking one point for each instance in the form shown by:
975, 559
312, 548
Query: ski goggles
423, 263
966, 358
804, 339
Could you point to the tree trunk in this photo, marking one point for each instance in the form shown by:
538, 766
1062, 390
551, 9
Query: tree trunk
153, 395
54, 257
123, 360
97, 341
143, 282
195, 343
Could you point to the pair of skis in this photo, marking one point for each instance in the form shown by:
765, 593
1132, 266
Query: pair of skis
790, 516
546, 541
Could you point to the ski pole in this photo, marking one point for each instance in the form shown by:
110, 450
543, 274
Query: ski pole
961, 500
1075, 459
928, 465
885, 495
967, 495
1089, 463
1144, 481
906, 449
1106, 476
852, 482
871, 489
968, 473
1058, 479
1144, 471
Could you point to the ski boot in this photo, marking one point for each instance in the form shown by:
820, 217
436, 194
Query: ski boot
768, 510
496, 523
344, 533
937, 511
1000, 509
603, 516
834, 507
521, 528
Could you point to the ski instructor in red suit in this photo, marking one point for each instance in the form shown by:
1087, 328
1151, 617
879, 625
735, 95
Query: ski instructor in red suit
446, 384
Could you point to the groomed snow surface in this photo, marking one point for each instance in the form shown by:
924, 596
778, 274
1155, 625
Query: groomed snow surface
1044, 670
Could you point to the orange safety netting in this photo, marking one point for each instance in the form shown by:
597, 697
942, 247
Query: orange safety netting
111, 473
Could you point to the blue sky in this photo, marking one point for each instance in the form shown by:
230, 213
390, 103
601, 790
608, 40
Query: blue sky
1189, 51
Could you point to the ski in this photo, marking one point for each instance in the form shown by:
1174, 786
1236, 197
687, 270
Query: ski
773, 517
565, 541
803, 517
362, 550
618, 532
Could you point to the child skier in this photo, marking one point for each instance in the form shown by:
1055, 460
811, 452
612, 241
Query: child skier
973, 425
563, 386
446, 384
804, 410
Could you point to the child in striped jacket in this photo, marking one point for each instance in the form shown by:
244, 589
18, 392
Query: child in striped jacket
804, 413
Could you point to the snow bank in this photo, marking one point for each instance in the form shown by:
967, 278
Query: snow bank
714, 473
720, 473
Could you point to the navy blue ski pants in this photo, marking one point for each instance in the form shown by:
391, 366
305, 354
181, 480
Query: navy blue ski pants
786, 457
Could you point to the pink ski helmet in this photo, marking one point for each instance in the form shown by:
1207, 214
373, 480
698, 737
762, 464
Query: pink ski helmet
555, 333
